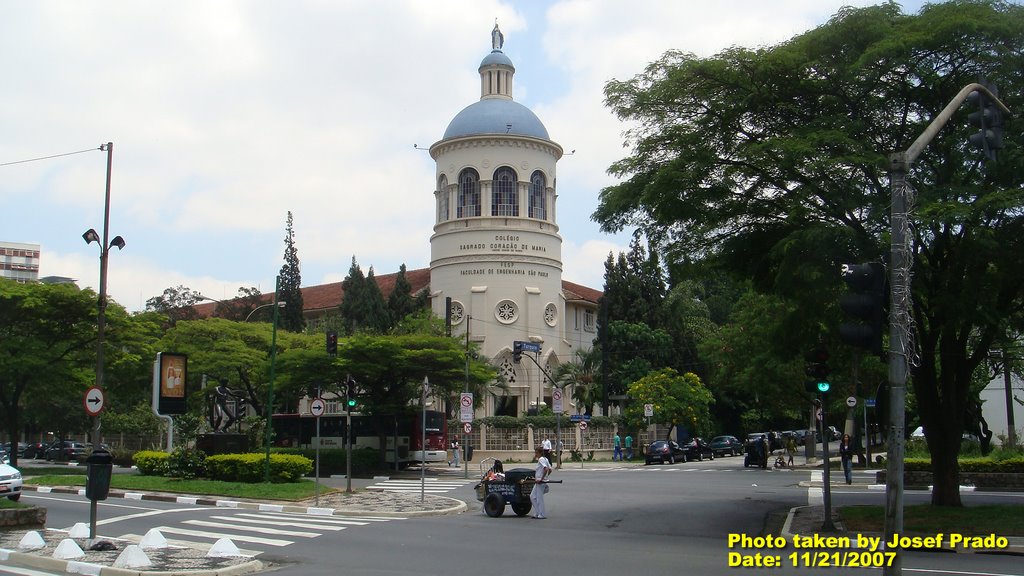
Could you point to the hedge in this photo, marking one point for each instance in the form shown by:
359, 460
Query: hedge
251, 468
333, 461
151, 462
1010, 465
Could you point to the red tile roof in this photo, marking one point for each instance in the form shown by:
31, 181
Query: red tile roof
317, 300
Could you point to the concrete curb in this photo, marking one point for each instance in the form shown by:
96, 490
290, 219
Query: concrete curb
457, 507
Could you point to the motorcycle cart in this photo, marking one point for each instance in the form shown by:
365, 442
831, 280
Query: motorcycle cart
755, 454
514, 490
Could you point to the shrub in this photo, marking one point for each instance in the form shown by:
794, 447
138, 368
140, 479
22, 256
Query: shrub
151, 462
333, 460
186, 463
251, 468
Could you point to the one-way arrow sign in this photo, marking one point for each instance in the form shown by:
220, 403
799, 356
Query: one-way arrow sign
93, 401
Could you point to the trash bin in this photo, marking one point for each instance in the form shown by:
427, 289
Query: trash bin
468, 456
97, 477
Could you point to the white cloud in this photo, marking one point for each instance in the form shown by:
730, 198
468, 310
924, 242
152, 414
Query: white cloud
226, 115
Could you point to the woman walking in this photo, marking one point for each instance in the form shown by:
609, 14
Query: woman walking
846, 456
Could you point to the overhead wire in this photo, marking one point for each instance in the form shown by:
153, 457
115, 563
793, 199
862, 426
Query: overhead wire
49, 157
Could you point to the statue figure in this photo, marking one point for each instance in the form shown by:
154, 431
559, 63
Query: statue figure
497, 38
220, 409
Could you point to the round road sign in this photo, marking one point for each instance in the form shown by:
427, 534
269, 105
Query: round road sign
467, 427
583, 426
851, 401
93, 401
317, 407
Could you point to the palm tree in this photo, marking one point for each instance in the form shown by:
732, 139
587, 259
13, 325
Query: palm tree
580, 377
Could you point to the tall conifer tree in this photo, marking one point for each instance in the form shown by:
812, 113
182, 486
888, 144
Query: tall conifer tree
290, 290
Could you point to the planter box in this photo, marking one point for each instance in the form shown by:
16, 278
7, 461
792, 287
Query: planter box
31, 516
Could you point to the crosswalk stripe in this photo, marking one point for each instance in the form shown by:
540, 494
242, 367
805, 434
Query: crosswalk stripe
219, 535
278, 522
314, 521
257, 529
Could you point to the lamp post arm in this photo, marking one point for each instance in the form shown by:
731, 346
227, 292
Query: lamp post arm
277, 303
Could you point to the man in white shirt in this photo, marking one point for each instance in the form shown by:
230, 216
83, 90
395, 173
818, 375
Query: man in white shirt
539, 487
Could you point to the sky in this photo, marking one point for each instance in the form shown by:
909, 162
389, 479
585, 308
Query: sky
226, 115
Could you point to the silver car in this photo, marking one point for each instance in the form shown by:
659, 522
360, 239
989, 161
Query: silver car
10, 482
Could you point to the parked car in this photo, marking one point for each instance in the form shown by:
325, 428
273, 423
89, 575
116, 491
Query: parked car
726, 445
663, 451
698, 449
33, 450
66, 450
10, 482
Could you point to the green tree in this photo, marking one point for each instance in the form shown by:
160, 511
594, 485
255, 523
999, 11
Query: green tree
362, 307
176, 304
290, 288
771, 163
678, 399
46, 332
401, 302
580, 379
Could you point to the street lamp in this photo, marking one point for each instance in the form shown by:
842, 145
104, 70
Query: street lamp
279, 304
91, 236
270, 387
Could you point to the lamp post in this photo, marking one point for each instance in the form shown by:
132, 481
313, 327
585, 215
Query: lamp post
270, 385
279, 304
91, 236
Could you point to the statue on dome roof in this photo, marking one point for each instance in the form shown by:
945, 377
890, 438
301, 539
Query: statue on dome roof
497, 38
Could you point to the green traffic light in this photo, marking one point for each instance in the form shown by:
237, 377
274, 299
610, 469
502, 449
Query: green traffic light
823, 387
353, 402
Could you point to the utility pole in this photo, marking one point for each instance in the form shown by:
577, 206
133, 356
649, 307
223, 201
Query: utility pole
899, 313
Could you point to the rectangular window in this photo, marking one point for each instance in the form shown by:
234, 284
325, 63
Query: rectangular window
588, 320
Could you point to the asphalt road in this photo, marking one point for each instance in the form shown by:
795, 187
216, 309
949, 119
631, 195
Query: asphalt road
603, 520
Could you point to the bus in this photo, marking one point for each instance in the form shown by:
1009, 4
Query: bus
406, 431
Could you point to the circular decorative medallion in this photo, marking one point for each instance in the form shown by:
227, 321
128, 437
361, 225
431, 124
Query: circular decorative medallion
551, 314
486, 163
525, 165
458, 312
506, 311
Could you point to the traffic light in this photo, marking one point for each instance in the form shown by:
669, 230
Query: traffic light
989, 121
350, 394
332, 343
517, 352
817, 370
865, 303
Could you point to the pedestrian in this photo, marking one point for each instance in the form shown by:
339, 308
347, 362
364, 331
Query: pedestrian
791, 450
617, 443
629, 446
846, 456
455, 453
540, 486
546, 445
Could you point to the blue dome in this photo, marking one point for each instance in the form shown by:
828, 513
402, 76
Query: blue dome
496, 57
493, 116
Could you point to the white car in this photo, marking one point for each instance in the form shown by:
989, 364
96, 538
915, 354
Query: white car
10, 482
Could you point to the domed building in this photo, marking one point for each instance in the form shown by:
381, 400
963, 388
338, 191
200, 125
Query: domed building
496, 255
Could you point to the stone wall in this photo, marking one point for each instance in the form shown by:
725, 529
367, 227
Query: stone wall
29, 516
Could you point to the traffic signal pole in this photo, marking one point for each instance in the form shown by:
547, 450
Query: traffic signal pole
899, 313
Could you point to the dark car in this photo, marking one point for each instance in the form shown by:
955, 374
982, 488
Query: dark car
663, 451
66, 450
34, 450
698, 449
726, 445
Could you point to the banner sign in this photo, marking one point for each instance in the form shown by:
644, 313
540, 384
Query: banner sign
170, 390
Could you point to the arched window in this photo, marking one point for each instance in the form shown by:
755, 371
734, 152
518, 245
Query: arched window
469, 194
442, 199
538, 205
504, 193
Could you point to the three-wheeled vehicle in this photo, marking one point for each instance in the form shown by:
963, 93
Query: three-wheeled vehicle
756, 451
498, 487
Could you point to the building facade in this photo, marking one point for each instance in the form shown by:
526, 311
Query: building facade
496, 254
19, 262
